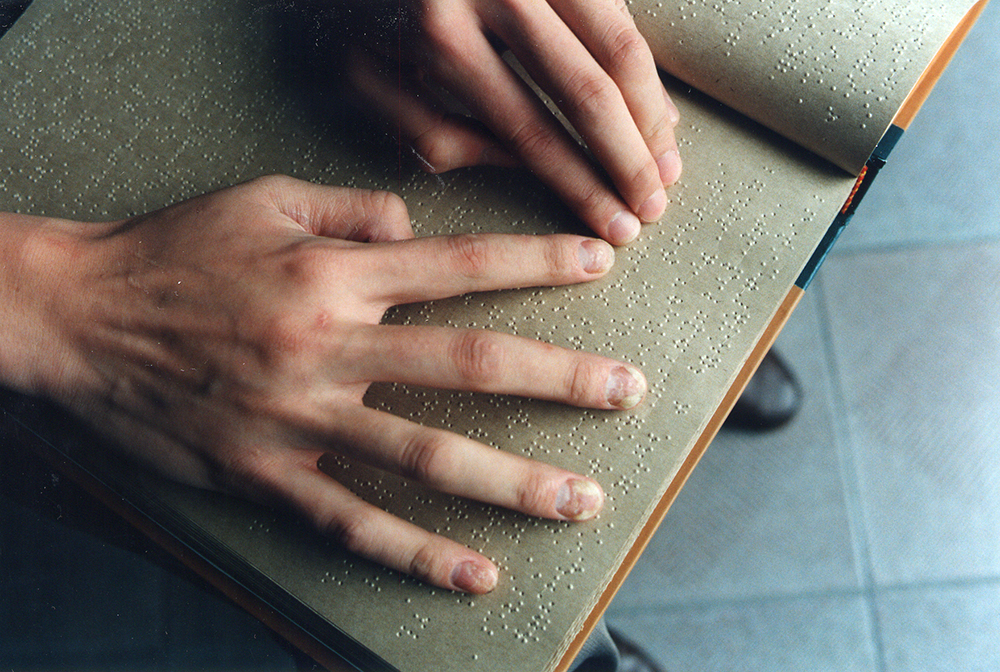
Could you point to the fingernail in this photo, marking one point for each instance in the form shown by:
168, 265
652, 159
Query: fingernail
624, 228
653, 208
625, 387
474, 577
670, 166
596, 256
673, 114
579, 499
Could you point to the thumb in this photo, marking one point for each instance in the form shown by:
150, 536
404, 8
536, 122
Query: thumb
360, 215
440, 140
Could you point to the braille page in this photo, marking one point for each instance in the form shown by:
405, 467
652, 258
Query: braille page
828, 74
112, 109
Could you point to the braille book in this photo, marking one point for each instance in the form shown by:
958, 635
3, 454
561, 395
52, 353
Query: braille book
788, 108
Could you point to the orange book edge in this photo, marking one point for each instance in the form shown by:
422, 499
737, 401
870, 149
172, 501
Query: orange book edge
767, 339
903, 117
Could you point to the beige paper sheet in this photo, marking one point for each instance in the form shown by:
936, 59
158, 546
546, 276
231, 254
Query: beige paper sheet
116, 108
828, 74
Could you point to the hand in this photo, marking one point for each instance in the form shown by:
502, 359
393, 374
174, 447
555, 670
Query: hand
585, 54
228, 341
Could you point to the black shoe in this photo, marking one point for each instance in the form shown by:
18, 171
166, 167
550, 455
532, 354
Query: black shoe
770, 400
631, 657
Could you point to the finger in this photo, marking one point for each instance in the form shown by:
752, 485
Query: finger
564, 68
478, 77
366, 530
459, 466
609, 34
486, 361
441, 266
338, 212
441, 141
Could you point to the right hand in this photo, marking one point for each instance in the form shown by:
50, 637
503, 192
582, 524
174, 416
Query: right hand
587, 55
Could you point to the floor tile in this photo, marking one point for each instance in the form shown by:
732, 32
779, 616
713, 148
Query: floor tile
940, 183
916, 336
941, 628
761, 514
814, 634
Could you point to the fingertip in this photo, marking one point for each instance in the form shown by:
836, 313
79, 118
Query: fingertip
475, 576
394, 207
459, 142
387, 221
579, 499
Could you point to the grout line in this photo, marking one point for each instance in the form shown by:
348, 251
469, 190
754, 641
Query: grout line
913, 586
747, 601
897, 246
850, 478
765, 599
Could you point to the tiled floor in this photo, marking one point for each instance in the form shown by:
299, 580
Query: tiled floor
865, 536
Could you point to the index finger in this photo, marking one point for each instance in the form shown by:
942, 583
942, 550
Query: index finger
438, 267
552, 53
609, 33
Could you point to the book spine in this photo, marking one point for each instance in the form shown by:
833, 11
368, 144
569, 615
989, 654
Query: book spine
865, 178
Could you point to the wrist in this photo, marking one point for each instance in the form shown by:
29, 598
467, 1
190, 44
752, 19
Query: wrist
40, 273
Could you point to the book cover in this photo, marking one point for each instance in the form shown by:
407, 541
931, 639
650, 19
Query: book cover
781, 107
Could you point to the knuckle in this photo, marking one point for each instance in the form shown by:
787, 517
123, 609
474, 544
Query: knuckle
282, 334
478, 357
660, 133
594, 95
424, 563
444, 35
533, 494
300, 323
426, 458
581, 380
627, 52
646, 175
561, 259
354, 530
592, 196
305, 264
271, 184
536, 140
469, 254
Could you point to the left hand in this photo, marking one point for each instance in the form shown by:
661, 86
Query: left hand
228, 342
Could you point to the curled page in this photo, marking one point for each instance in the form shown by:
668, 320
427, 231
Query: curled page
827, 74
